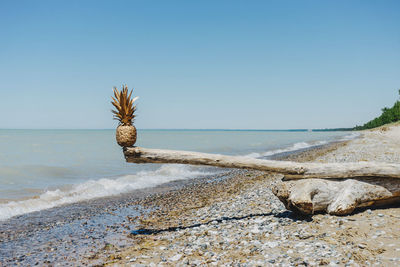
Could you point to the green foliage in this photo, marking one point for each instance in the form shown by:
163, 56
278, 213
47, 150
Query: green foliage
388, 115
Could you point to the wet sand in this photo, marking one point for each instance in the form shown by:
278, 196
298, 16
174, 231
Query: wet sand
71, 234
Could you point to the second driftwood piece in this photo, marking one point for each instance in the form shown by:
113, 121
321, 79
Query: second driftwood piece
338, 197
291, 170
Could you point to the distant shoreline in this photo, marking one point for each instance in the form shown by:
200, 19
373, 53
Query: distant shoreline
183, 129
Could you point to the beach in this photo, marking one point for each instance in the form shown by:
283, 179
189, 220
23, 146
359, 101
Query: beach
200, 133
228, 218
241, 223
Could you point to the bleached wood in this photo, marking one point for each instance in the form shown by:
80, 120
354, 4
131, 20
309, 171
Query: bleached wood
339, 197
291, 170
372, 183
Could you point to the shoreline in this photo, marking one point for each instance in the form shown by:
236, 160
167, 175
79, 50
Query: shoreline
168, 215
111, 175
122, 213
242, 222
119, 212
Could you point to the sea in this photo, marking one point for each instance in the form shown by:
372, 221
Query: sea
42, 169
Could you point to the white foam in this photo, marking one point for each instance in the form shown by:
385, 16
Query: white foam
301, 145
144, 179
100, 188
350, 136
294, 147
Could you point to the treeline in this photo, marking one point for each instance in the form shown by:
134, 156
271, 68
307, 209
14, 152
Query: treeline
388, 115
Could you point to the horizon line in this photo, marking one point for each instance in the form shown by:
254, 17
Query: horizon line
184, 129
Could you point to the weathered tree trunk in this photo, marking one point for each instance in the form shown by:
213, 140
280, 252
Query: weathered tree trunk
371, 183
338, 197
291, 170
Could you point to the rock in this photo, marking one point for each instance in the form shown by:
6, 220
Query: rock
176, 257
271, 244
255, 230
300, 244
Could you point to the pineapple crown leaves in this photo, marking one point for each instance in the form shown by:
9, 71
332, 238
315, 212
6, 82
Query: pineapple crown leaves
123, 103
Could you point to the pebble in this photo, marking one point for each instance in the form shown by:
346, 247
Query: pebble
176, 257
300, 244
362, 246
254, 229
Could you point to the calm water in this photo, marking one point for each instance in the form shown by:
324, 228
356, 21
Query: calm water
41, 169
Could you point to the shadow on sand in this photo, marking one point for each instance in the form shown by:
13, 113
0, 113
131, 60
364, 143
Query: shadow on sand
286, 214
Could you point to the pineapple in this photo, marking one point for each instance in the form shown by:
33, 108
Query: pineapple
126, 132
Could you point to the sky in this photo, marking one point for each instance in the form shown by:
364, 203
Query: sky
198, 64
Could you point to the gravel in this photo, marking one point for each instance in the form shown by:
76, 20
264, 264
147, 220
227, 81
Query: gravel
230, 220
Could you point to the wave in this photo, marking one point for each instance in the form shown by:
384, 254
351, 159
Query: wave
299, 146
294, 147
109, 187
100, 188
349, 137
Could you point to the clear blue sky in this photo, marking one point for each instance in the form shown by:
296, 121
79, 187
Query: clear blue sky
198, 64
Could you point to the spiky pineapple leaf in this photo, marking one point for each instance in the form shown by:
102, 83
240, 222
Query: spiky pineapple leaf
123, 102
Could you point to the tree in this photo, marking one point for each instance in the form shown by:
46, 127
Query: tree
388, 115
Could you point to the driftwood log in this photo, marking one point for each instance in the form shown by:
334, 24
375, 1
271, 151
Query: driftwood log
336, 188
338, 197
